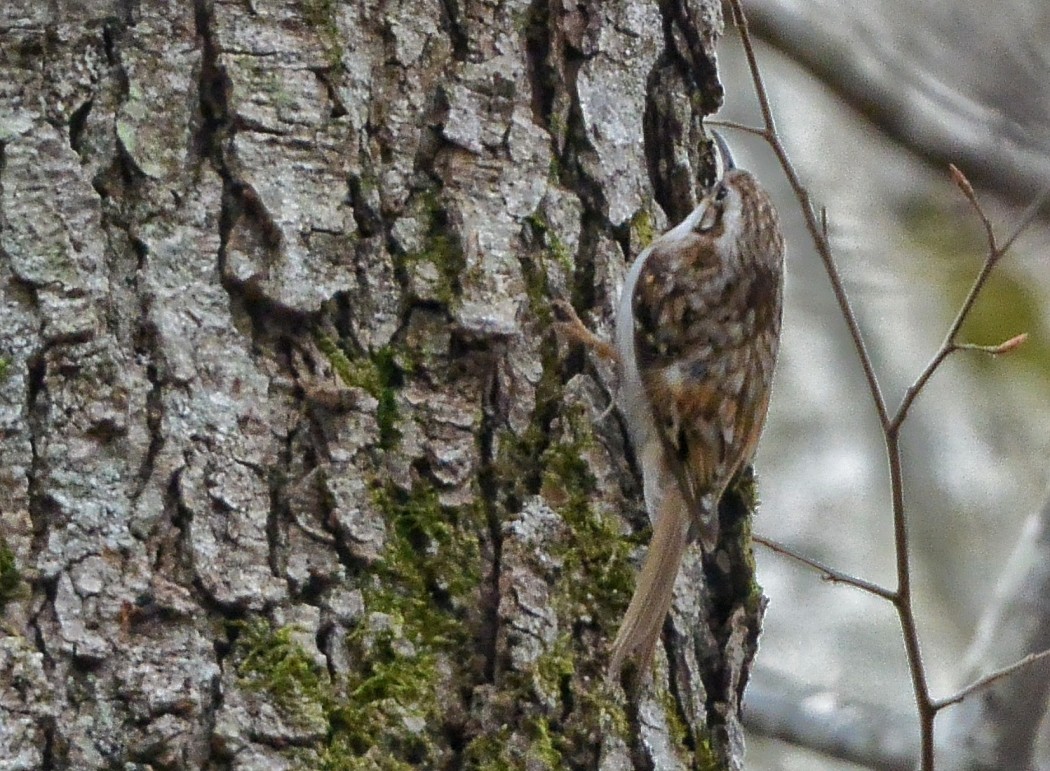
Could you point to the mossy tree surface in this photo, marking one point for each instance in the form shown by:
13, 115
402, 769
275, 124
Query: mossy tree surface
296, 473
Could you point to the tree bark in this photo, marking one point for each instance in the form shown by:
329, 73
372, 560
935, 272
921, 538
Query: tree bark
295, 473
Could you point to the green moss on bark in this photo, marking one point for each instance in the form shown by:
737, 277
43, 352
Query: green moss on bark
438, 266
597, 554
556, 248
387, 711
10, 576
431, 564
642, 228
272, 661
377, 374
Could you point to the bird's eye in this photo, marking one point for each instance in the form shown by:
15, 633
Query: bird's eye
721, 193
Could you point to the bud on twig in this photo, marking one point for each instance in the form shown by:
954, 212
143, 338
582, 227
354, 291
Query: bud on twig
961, 181
1007, 346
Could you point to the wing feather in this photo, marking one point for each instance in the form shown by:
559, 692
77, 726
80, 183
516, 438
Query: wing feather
703, 345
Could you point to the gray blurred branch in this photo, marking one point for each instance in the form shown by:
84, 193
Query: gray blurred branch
997, 728
818, 719
992, 729
951, 81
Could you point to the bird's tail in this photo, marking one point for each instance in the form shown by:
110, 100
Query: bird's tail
644, 619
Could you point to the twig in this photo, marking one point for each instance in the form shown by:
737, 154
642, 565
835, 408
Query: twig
996, 350
758, 132
964, 185
740, 22
826, 572
989, 679
950, 344
1027, 217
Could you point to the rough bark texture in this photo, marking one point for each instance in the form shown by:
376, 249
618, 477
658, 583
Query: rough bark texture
294, 471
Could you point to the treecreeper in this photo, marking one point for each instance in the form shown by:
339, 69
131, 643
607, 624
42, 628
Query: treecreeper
697, 332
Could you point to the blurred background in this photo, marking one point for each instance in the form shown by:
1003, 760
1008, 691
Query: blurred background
872, 102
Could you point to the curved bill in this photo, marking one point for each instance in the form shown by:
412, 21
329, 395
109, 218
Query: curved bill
723, 155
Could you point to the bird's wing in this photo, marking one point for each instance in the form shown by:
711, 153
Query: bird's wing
703, 369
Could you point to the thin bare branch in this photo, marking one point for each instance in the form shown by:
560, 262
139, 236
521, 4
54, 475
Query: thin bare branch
947, 349
826, 572
1026, 219
740, 21
964, 185
729, 124
950, 344
902, 602
1006, 346
990, 679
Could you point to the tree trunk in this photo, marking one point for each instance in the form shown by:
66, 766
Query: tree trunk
295, 471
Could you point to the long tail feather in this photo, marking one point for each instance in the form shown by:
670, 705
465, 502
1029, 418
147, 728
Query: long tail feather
644, 619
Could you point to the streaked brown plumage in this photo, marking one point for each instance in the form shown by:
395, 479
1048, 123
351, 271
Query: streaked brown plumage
696, 334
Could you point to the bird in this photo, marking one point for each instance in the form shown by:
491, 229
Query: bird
696, 336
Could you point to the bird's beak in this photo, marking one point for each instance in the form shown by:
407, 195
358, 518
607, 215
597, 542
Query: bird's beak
723, 154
